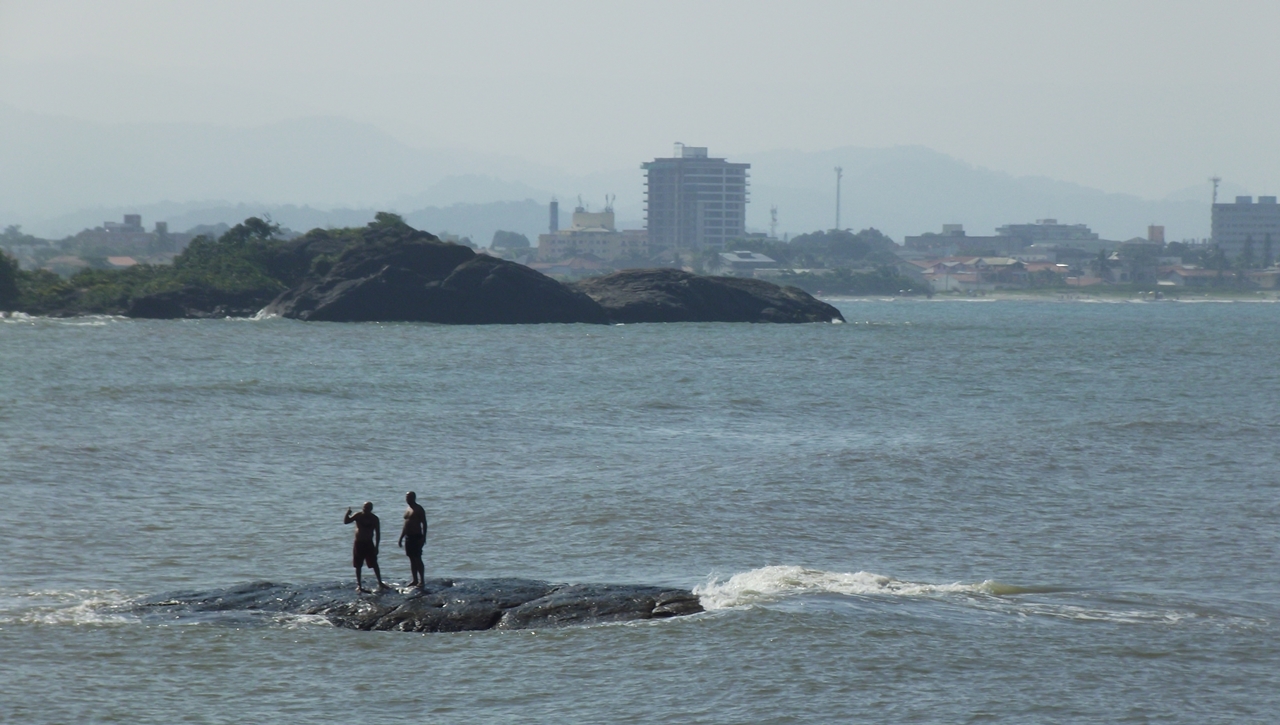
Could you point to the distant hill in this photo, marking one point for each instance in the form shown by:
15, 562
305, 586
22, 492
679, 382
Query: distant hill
909, 190
62, 175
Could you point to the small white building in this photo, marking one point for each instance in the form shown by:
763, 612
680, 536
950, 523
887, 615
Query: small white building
746, 261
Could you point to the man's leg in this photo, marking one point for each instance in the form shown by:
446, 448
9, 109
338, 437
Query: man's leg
359, 584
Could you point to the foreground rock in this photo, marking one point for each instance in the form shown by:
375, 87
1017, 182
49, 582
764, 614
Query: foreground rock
421, 279
671, 295
444, 605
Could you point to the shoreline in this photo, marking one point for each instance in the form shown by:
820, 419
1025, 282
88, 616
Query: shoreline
1269, 297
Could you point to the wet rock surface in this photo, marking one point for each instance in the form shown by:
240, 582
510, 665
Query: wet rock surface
672, 295
444, 605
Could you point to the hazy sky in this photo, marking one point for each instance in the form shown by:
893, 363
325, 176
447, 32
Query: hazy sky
1133, 96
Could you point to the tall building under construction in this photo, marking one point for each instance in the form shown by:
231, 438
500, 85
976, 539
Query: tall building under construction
694, 202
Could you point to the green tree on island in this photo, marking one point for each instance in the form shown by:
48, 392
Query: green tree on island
8, 282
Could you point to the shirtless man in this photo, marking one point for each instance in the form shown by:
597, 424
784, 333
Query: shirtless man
413, 536
368, 537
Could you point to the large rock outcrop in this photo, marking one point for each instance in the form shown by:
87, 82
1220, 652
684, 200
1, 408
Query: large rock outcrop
421, 279
671, 295
443, 605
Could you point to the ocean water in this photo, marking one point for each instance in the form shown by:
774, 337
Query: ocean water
1011, 512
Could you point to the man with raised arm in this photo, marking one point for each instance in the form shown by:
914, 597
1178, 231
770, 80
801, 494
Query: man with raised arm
368, 537
412, 538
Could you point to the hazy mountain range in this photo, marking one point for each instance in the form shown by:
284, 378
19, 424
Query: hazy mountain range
62, 175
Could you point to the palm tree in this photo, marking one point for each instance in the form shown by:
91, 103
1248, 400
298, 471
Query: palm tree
1101, 265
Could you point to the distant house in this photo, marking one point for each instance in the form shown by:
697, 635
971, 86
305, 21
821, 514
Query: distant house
121, 262
1182, 276
746, 261
1083, 280
1265, 278
949, 281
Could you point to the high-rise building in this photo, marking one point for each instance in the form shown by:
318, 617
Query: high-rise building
694, 202
1237, 225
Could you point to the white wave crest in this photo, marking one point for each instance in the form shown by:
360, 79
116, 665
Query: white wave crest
63, 607
772, 583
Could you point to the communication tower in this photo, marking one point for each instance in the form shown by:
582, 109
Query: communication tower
773, 222
839, 175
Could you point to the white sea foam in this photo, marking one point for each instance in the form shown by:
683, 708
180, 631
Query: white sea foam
777, 583
773, 583
64, 607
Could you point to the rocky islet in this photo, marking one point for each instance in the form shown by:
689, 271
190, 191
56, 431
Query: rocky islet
443, 605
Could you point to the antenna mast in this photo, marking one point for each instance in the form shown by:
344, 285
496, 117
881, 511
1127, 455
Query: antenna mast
1213, 212
839, 174
773, 222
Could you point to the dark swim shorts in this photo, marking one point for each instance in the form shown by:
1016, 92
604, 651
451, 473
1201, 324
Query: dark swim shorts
364, 552
413, 545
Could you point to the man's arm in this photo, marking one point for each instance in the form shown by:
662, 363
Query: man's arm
348, 518
377, 532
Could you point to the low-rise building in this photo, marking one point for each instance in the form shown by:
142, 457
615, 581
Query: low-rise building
954, 241
746, 261
593, 233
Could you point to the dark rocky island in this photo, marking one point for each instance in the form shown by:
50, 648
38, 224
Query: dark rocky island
671, 295
417, 278
397, 273
388, 271
444, 605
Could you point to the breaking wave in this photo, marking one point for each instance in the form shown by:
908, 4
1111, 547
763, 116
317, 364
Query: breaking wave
775, 584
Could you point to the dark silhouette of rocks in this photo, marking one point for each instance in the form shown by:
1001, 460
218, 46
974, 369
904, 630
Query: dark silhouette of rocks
443, 605
388, 271
672, 295
416, 277
198, 303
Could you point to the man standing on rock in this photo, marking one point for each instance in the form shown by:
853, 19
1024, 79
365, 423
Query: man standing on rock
368, 537
413, 537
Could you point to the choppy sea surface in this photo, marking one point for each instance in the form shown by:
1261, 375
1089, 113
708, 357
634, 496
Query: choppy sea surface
1011, 512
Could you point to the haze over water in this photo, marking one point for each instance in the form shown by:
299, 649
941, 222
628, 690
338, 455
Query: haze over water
1011, 512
